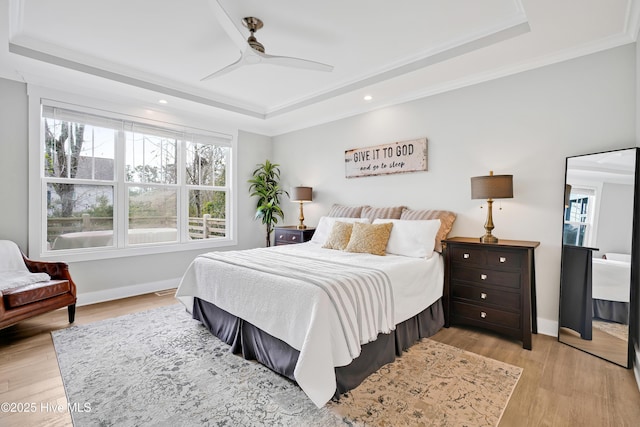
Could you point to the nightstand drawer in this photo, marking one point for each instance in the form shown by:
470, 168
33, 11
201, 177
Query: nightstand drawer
486, 295
504, 259
485, 314
510, 279
289, 235
286, 236
469, 256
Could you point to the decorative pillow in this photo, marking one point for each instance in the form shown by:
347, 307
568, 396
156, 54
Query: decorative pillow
617, 257
325, 225
341, 211
369, 238
339, 236
411, 238
384, 213
446, 222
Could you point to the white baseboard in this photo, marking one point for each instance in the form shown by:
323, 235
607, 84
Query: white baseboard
87, 298
548, 327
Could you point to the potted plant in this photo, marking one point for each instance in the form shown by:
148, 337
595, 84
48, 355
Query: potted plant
265, 184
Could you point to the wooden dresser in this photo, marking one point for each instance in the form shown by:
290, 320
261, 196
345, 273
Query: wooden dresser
491, 286
287, 235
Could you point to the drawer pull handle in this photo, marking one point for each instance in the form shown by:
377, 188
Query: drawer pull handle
293, 238
483, 314
483, 276
280, 236
466, 256
503, 259
483, 295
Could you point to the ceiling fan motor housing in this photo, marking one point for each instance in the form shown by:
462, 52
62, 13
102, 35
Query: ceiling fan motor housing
253, 24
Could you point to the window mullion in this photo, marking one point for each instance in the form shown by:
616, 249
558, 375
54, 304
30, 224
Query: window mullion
121, 205
183, 196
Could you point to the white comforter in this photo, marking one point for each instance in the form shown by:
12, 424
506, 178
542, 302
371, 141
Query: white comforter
611, 279
303, 315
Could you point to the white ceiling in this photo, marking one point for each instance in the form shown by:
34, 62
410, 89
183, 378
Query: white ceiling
395, 51
616, 166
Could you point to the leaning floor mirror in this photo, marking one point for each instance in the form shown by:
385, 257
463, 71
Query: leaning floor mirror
600, 250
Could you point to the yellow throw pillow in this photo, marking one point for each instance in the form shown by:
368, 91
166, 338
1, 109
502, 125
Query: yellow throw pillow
369, 238
339, 236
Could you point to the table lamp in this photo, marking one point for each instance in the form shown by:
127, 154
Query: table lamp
491, 187
302, 195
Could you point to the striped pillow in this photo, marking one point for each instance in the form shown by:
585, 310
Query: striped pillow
342, 211
446, 222
384, 213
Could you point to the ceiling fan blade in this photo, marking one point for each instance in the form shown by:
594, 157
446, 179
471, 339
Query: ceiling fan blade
221, 72
287, 61
227, 25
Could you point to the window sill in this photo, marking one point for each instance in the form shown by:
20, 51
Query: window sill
92, 254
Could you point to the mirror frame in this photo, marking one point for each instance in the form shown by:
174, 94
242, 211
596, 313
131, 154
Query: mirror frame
633, 337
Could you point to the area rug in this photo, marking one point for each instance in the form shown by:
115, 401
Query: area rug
162, 368
617, 330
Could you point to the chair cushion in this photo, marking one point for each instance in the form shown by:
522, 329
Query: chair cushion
27, 294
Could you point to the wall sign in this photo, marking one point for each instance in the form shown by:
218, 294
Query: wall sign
397, 157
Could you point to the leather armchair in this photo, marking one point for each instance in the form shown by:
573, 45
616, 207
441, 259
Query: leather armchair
29, 300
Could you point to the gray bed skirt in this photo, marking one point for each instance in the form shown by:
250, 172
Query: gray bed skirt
612, 311
255, 344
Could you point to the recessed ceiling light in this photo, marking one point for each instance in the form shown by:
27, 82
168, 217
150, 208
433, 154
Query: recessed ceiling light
163, 101
368, 97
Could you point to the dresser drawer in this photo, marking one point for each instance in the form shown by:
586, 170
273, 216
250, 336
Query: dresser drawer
468, 255
504, 259
484, 295
509, 279
486, 314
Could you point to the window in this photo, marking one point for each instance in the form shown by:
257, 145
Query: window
112, 186
579, 214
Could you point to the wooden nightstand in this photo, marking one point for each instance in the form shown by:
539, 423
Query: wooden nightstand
290, 234
491, 286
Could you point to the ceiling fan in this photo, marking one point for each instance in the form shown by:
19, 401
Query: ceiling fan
252, 51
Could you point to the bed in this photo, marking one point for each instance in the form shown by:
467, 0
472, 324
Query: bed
324, 318
610, 287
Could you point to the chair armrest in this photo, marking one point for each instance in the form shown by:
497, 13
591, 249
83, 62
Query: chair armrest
57, 270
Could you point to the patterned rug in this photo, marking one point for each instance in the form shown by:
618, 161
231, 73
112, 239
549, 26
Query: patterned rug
162, 368
618, 330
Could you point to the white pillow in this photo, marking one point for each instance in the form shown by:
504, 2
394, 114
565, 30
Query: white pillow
618, 257
411, 238
325, 225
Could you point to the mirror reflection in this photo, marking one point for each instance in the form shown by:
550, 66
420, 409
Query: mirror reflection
596, 259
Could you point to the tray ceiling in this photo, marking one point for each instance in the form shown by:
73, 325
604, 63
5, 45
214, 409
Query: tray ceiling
394, 51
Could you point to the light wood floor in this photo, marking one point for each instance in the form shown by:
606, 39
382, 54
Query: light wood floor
602, 344
560, 386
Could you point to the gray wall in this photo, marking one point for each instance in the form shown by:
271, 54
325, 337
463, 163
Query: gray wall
523, 125
104, 276
13, 162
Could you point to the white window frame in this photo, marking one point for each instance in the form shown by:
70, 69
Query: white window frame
593, 192
39, 96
